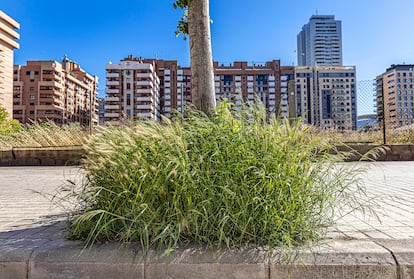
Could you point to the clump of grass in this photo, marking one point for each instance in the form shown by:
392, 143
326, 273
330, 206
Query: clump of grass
44, 135
233, 178
401, 135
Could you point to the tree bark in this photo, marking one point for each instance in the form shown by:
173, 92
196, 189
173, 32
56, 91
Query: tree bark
202, 71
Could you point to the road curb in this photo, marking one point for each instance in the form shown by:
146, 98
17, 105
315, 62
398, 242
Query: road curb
63, 259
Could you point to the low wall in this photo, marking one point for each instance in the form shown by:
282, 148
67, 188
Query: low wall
400, 152
61, 156
56, 156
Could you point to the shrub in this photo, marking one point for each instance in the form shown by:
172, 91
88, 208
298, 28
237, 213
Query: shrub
7, 126
233, 178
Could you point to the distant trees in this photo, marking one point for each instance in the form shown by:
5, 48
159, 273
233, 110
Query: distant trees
7, 126
196, 24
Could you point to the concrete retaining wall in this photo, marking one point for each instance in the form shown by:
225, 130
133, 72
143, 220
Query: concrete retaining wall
402, 152
71, 155
60, 156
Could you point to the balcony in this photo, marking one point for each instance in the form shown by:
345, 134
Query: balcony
49, 107
112, 83
50, 83
145, 75
112, 99
140, 114
145, 99
111, 114
50, 100
145, 83
112, 91
144, 91
112, 75
108, 107
52, 77
150, 107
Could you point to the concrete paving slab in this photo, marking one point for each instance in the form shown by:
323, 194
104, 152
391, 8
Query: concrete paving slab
403, 251
71, 260
201, 263
338, 259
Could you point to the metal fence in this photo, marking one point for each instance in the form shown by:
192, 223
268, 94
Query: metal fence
371, 128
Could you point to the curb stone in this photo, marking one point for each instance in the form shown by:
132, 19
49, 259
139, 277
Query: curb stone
62, 259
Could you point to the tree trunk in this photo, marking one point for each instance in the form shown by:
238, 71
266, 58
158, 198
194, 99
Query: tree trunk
202, 71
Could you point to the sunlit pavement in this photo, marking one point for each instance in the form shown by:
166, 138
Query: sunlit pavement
35, 196
33, 238
391, 187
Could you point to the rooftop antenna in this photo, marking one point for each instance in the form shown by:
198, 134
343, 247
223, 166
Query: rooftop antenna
316, 11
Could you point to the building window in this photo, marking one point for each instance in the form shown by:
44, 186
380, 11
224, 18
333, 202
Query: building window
32, 95
227, 79
128, 99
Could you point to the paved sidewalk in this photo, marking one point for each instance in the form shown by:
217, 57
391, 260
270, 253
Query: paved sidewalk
26, 195
33, 244
391, 184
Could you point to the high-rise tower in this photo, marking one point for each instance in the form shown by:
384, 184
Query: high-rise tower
8, 35
320, 42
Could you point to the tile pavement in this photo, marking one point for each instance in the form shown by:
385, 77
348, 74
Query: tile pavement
33, 244
391, 185
26, 202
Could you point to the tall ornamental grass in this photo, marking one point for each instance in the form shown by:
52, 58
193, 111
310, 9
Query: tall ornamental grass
43, 136
234, 179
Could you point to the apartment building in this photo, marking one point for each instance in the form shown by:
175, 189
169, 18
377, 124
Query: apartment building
101, 111
319, 43
169, 87
8, 35
246, 82
175, 85
322, 96
326, 96
394, 96
51, 91
132, 91
287, 85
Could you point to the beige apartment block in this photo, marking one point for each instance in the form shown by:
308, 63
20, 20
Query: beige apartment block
287, 82
170, 91
394, 96
8, 35
238, 82
52, 91
132, 88
246, 82
326, 96
175, 86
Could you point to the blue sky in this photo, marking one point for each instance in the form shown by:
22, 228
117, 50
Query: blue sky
92, 33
